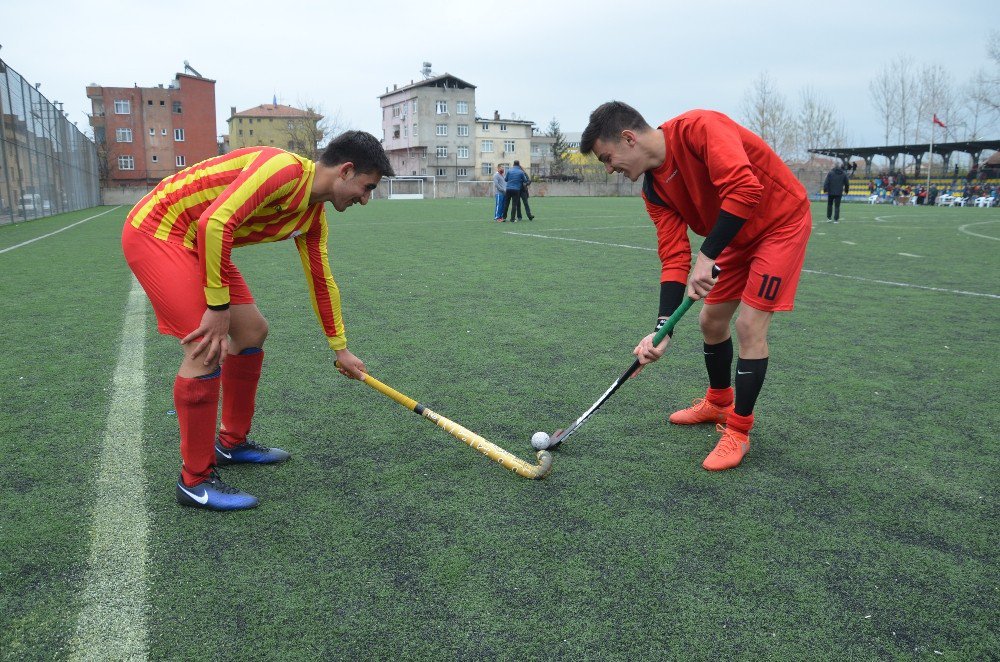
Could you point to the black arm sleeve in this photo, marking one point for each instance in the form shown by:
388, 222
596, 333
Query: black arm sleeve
725, 229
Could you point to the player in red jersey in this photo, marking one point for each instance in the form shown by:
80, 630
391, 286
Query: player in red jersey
705, 172
178, 239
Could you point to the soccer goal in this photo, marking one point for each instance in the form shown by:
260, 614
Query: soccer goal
405, 188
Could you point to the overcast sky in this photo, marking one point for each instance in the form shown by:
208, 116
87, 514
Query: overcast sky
533, 60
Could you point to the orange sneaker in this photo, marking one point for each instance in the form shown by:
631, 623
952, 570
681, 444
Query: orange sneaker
729, 452
701, 411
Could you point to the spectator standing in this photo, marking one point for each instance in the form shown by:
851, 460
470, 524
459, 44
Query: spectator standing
499, 189
524, 197
836, 185
515, 181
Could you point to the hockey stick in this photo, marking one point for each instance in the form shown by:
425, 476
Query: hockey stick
490, 450
560, 436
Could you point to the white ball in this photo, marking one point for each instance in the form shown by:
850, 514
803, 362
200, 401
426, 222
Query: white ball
540, 440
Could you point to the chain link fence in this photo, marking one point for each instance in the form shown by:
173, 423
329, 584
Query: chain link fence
47, 165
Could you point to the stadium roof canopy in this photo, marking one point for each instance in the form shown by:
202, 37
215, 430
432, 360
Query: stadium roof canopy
891, 152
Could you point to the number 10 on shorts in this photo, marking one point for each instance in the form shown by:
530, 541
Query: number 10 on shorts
769, 287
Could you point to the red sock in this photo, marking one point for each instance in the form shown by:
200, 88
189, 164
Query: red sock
737, 423
240, 374
197, 404
720, 397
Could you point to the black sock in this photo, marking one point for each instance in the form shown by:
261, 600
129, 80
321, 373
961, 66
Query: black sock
719, 362
749, 380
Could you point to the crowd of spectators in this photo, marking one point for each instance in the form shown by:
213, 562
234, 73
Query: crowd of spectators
892, 187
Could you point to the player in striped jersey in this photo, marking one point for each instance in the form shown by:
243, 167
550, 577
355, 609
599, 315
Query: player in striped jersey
177, 240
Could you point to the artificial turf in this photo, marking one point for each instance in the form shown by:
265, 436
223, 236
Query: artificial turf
862, 524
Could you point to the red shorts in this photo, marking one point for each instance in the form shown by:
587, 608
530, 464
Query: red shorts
765, 273
171, 276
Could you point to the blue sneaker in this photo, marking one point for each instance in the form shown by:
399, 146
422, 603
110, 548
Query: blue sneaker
213, 494
249, 452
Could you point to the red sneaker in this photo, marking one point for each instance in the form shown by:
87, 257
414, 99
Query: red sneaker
701, 411
729, 452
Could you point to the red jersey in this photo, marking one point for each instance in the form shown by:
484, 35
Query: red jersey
249, 196
712, 164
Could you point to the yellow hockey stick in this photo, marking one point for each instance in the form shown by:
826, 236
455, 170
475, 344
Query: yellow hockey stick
489, 449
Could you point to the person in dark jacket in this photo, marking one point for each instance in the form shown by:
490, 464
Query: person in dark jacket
836, 185
515, 180
524, 197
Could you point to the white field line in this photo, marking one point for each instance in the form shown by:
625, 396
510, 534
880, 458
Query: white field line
112, 621
909, 255
807, 271
485, 221
850, 243
25, 243
976, 234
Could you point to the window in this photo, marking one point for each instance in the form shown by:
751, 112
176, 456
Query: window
508, 145
442, 151
463, 152
241, 132
462, 107
250, 120
395, 131
179, 135
413, 105
463, 130
162, 102
441, 172
163, 132
487, 168
152, 132
406, 131
487, 145
123, 135
503, 127
397, 111
486, 126
156, 159
442, 107
441, 130
251, 132
149, 103
126, 163
463, 172
123, 107
180, 161
177, 107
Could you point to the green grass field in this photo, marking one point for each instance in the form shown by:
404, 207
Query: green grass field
862, 525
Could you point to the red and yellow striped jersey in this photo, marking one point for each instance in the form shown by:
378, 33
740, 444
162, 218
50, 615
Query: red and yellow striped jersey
249, 196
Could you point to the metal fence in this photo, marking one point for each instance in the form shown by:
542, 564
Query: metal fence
47, 165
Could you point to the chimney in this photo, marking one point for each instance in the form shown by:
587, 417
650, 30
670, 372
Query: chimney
496, 115
232, 110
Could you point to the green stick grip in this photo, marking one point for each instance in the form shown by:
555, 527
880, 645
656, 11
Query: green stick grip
668, 326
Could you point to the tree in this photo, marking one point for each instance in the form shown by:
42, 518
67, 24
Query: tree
986, 82
816, 124
766, 114
883, 93
559, 148
308, 134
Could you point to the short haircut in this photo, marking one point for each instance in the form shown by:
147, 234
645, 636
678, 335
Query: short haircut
607, 123
362, 149
516, 162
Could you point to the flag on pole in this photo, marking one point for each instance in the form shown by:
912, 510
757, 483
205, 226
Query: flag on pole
939, 122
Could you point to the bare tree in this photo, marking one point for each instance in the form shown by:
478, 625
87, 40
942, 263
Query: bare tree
986, 82
979, 114
935, 96
816, 124
883, 97
905, 100
310, 132
766, 114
